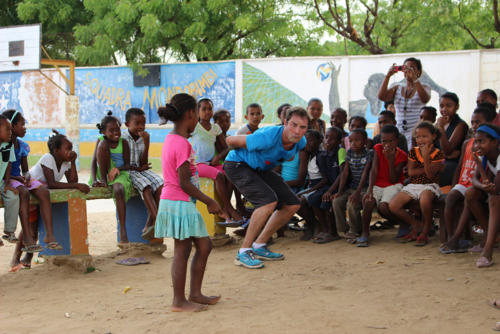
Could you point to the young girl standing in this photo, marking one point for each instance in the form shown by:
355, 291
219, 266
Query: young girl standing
110, 166
178, 217
425, 162
315, 110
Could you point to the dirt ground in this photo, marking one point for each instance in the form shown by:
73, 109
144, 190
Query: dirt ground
332, 288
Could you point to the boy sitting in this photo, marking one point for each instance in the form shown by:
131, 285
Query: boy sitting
386, 179
387, 117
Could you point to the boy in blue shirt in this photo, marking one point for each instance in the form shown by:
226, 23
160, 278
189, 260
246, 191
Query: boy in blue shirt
250, 168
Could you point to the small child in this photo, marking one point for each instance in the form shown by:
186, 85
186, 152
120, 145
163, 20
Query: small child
462, 180
429, 114
314, 177
49, 171
357, 166
281, 112
425, 163
315, 110
207, 139
178, 217
486, 187
147, 182
488, 95
254, 116
387, 117
9, 194
359, 122
222, 118
338, 118
110, 167
330, 163
386, 179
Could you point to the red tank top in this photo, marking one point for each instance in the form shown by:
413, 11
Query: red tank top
468, 166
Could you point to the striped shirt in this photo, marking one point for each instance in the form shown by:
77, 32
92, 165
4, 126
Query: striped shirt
136, 148
412, 113
357, 163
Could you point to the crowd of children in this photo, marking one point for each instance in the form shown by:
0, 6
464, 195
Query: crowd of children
340, 177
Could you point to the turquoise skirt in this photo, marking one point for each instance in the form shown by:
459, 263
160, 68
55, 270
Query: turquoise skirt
179, 220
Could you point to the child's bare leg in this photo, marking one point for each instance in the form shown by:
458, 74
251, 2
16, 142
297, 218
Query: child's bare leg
26, 259
493, 221
222, 191
475, 200
396, 206
453, 199
319, 214
368, 206
310, 221
198, 264
43, 195
16, 257
119, 193
426, 198
182, 249
330, 222
24, 207
463, 221
150, 203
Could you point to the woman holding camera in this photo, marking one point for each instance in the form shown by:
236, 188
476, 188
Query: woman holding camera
409, 98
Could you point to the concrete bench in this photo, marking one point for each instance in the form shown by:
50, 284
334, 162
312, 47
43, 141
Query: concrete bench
69, 211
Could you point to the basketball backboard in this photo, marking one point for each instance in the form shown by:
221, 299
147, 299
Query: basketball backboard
20, 47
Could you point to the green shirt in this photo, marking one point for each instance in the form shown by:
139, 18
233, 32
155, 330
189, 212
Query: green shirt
7, 153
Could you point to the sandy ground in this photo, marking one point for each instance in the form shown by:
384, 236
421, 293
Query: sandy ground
332, 288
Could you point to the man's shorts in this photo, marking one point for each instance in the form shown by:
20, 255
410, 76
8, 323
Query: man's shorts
260, 187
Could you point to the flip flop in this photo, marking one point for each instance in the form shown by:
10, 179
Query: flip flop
149, 233
483, 262
445, 249
497, 327
421, 241
11, 237
54, 245
130, 261
35, 248
362, 242
231, 223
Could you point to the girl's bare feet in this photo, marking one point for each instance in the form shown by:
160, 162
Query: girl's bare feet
188, 306
206, 300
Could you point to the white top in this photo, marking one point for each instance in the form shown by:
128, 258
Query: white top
244, 130
313, 169
203, 142
48, 161
493, 169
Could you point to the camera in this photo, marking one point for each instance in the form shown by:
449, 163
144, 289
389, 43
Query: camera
400, 68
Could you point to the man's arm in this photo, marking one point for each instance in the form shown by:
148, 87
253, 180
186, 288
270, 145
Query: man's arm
237, 141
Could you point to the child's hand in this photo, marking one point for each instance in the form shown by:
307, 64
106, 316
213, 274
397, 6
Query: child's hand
8, 187
144, 167
327, 197
71, 156
488, 186
368, 196
215, 161
144, 135
113, 173
214, 208
425, 150
355, 197
98, 183
27, 180
83, 188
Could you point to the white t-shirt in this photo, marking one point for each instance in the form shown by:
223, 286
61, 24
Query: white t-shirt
203, 142
493, 169
48, 161
313, 170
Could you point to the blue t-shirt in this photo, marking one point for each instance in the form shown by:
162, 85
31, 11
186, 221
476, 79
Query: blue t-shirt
22, 151
265, 149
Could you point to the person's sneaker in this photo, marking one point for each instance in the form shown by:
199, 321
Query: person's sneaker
247, 259
263, 253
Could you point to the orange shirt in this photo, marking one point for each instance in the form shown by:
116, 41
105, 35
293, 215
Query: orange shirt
468, 166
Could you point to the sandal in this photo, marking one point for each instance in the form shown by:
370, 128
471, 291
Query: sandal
35, 248
54, 245
493, 303
231, 223
483, 262
421, 241
362, 242
408, 238
476, 249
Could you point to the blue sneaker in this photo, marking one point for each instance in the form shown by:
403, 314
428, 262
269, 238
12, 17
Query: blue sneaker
263, 253
247, 259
